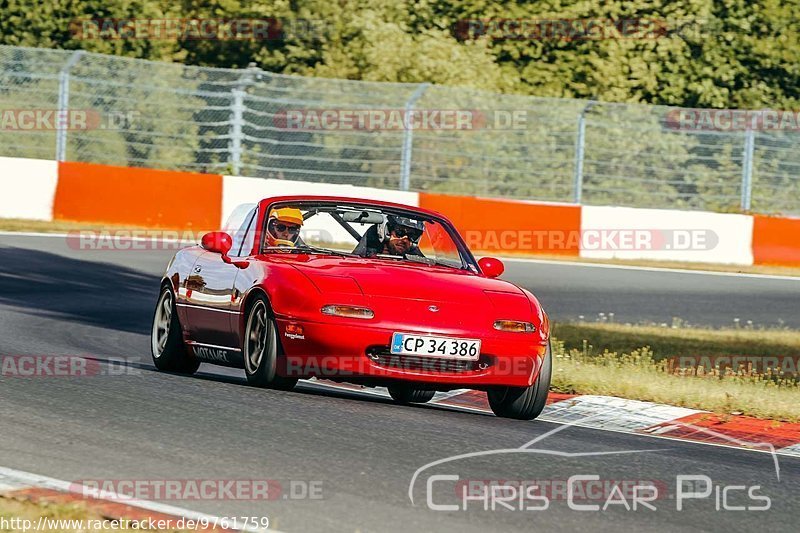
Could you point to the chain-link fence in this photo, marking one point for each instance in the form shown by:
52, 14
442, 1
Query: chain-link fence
417, 137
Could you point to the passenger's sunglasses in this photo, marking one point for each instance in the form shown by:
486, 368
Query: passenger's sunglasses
411, 233
294, 230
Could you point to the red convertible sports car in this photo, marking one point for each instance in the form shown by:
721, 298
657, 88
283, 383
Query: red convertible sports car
354, 290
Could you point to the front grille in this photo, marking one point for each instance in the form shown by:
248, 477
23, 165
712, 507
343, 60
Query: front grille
381, 356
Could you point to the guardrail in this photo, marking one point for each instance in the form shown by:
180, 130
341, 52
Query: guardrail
134, 198
418, 137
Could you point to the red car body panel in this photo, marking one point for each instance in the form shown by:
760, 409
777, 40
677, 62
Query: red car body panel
211, 296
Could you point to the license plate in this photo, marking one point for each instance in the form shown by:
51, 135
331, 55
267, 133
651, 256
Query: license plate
431, 346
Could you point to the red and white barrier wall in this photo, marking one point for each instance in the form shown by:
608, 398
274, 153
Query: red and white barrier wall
142, 197
28, 188
664, 234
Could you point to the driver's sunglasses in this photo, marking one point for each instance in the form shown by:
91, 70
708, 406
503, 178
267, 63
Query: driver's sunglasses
411, 233
294, 230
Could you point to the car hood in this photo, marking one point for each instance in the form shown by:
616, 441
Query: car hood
395, 279
403, 294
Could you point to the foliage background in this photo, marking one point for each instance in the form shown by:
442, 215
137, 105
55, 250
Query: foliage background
717, 54
721, 54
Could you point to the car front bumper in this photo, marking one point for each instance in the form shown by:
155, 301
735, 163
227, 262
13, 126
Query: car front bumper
348, 351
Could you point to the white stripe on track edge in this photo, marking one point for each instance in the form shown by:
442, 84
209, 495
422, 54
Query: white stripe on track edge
544, 417
649, 269
18, 480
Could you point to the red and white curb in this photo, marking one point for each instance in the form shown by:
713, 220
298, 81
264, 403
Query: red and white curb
26, 486
621, 415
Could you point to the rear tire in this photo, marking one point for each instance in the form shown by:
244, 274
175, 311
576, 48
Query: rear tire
261, 348
523, 403
166, 340
405, 394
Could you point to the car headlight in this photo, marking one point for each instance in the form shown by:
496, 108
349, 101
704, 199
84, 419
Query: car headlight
349, 311
515, 326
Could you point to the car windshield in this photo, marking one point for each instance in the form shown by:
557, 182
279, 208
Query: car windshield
366, 230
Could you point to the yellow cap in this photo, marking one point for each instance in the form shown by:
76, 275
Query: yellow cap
289, 215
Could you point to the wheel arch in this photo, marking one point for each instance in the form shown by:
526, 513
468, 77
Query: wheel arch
173, 282
251, 295
247, 301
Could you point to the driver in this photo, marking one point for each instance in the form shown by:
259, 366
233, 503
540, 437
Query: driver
396, 236
283, 226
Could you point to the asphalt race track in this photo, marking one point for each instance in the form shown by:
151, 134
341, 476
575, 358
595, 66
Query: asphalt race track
635, 295
359, 451
567, 290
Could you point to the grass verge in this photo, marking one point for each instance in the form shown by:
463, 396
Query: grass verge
675, 340
636, 362
24, 516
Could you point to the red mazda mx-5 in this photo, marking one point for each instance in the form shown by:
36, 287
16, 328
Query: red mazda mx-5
355, 290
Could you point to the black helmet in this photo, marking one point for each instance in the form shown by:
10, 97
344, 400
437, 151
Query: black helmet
414, 228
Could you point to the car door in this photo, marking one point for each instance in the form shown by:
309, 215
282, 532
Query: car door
209, 295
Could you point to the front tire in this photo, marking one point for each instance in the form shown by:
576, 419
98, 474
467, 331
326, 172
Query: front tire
166, 340
261, 349
405, 394
524, 403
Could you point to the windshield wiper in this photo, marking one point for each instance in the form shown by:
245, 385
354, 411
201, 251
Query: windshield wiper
418, 259
318, 250
386, 256
304, 249
430, 261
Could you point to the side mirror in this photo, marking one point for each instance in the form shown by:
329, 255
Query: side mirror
491, 267
217, 242
220, 242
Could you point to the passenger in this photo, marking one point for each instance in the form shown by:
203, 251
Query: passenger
396, 236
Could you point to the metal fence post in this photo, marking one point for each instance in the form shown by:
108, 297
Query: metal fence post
237, 116
408, 139
580, 142
747, 168
63, 105
237, 120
